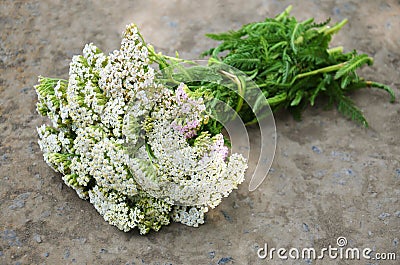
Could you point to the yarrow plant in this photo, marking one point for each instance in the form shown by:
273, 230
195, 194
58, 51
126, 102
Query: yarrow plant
134, 148
146, 147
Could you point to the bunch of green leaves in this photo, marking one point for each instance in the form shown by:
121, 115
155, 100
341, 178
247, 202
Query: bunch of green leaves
293, 64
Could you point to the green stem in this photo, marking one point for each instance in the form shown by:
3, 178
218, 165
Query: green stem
334, 29
321, 70
335, 50
284, 13
384, 87
149, 152
241, 88
168, 64
213, 60
52, 79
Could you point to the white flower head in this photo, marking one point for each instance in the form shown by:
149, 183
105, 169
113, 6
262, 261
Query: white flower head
136, 149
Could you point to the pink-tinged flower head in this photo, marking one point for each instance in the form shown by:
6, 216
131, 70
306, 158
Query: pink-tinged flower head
189, 113
219, 147
181, 94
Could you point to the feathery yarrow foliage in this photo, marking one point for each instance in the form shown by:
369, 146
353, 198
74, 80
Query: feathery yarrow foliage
292, 63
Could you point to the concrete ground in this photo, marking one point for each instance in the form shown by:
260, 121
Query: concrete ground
330, 178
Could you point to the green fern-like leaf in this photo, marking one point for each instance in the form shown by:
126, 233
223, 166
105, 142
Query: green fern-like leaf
347, 107
384, 87
353, 64
242, 60
317, 90
230, 35
297, 99
319, 25
293, 64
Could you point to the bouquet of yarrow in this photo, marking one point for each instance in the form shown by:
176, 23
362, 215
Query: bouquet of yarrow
111, 105
145, 149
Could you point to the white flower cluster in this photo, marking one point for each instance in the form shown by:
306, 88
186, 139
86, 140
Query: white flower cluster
195, 174
134, 148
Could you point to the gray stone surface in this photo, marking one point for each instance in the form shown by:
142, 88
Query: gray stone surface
331, 177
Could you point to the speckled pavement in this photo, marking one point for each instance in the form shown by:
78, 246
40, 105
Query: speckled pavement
330, 178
